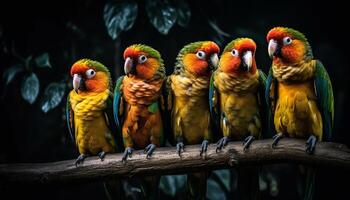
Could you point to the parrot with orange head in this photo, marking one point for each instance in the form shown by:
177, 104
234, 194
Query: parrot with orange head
236, 97
299, 93
137, 106
188, 89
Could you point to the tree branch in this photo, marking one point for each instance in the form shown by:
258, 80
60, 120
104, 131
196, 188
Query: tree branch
166, 161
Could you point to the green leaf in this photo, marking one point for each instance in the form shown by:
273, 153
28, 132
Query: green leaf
119, 16
43, 61
30, 88
11, 72
172, 183
183, 12
53, 95
153, 107
161, 14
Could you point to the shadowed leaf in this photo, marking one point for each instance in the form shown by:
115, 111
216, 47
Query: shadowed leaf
43, 61
53, 95
161, 14
30, 88
183, 12
11, 72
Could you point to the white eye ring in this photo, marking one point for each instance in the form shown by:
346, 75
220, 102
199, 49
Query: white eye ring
142, 59
234, 52
90, 73
200, 55
287, 40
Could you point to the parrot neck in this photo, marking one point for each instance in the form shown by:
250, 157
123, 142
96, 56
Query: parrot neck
298, 72
226, 82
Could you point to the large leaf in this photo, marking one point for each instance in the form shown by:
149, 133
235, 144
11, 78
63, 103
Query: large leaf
43, 60
183, 12
119, 16
162, 15
172, 183
30, 88
53, 95
11, 72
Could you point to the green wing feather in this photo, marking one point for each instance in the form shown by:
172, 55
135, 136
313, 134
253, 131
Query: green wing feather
270, 97
325, 99
70, 119
117, 100
214, 106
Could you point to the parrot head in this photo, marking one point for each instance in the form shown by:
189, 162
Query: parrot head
288, 46
143, 62
90, 76
238, 57
198, 58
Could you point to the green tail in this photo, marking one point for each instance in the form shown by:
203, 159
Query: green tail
309, 182
248, 182
197, 185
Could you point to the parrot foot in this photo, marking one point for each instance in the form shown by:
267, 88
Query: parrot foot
204, 147
276, 138
80, 159
149, 150
180, 146
222, 143
247, 142
311, 144
128, 151
101, 155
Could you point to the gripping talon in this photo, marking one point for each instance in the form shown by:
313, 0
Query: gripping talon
311, 144
149, 150
102, 155
221, 143
247, 142
180, 146
276, 138
128, 151
204, 147
80, 159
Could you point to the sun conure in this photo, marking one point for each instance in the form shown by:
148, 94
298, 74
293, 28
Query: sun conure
89, 110
188, 89
236, 97
137, 104
299, 93
89, 114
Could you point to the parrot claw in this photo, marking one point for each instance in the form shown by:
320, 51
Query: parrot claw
80, 159
221, 143
128, 151
149, 150
247, 142
311, 144
204, 147
276, 138
101, 155
180, 146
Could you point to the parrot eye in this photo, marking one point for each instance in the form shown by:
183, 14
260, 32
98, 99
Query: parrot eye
90, 73
234, 52
287, 40
200, 55
142, 59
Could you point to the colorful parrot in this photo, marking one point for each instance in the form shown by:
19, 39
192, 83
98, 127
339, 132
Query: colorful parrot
298, 92
188, 89
137, 105
89, 110
236, 96
89, 115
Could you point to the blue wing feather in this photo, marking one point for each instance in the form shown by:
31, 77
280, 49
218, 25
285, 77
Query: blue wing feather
325, 99
270, 96
116, 104
70, 119
214, 108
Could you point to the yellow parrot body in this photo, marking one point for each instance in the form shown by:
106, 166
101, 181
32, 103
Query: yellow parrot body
239, 105
91, 129
190, 114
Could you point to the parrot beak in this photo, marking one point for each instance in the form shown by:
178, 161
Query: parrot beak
214, 60
129, 66
274, 49
78, 82
247, 61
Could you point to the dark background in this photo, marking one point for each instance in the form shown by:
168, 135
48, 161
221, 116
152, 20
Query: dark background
75, 29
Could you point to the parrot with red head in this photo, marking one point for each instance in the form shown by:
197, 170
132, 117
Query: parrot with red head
137, 106
188, 89
236, 98
299, 93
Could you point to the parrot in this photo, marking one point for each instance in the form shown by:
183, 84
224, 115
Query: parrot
137, 106
236, 96
89, 115
299, 94
188, 90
